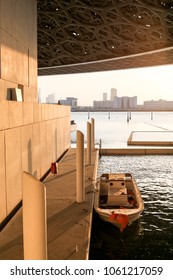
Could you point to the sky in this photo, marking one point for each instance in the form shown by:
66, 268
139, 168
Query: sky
150, 83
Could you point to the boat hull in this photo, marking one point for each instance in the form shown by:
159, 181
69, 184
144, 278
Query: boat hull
119, 190
106, 217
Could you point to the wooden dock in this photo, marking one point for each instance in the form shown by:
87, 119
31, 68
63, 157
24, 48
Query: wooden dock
69, 223
136, 151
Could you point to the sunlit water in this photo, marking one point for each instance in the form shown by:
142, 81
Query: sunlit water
114, 132
151, 237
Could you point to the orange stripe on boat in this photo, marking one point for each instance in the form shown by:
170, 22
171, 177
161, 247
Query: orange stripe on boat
122, 220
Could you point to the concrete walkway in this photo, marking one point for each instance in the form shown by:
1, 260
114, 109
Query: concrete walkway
69, 223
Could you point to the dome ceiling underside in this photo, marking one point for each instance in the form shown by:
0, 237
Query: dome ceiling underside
77, 36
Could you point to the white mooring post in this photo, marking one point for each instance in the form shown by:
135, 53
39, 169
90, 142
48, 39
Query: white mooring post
34, 218
89, 151
80, 168
100, 144
92, 133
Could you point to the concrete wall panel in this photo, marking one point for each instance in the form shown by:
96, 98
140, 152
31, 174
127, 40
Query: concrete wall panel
8, 57
63, 133
36, 162
20, 24
28, 144
54, 141
18, 47
15, 113
27, 112
3, 206
44, 112
49, 142
51, 111
37, 112
66, 132
43, 149
30, 94
29, 136
13, 167
59, 111
58, 136
29, 6
5, 89
32, 29
55, 111
27, 147
34, 95
32, 72
22, 64
6, 15
4, 115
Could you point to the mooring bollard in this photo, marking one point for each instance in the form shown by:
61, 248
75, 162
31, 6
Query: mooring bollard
92, 133
100, 144
80, 168
109, 115
88, 115
34, 218
89, 151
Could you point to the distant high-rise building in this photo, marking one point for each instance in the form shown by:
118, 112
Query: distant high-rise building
115, 102
113, 94
125, 102
158, 105
69, 101
72, 101
51, 98
133, 102
104, 96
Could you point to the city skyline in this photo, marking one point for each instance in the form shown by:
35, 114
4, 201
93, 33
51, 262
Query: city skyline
114, 102
150, 83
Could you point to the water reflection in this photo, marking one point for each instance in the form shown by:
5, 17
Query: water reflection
151, 236
109, 243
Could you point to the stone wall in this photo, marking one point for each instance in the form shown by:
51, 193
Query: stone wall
32, 136
18, 48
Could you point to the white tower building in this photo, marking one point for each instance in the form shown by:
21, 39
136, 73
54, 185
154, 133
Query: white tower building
113, 93
104, 96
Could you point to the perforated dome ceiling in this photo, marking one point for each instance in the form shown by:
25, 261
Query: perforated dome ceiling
76, 36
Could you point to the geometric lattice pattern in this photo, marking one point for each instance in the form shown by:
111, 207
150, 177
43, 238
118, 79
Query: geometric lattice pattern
84, 31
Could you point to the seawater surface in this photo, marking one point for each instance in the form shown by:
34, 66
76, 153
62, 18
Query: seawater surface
115, 131
151, 237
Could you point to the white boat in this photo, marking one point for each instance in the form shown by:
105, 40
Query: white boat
118, 199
